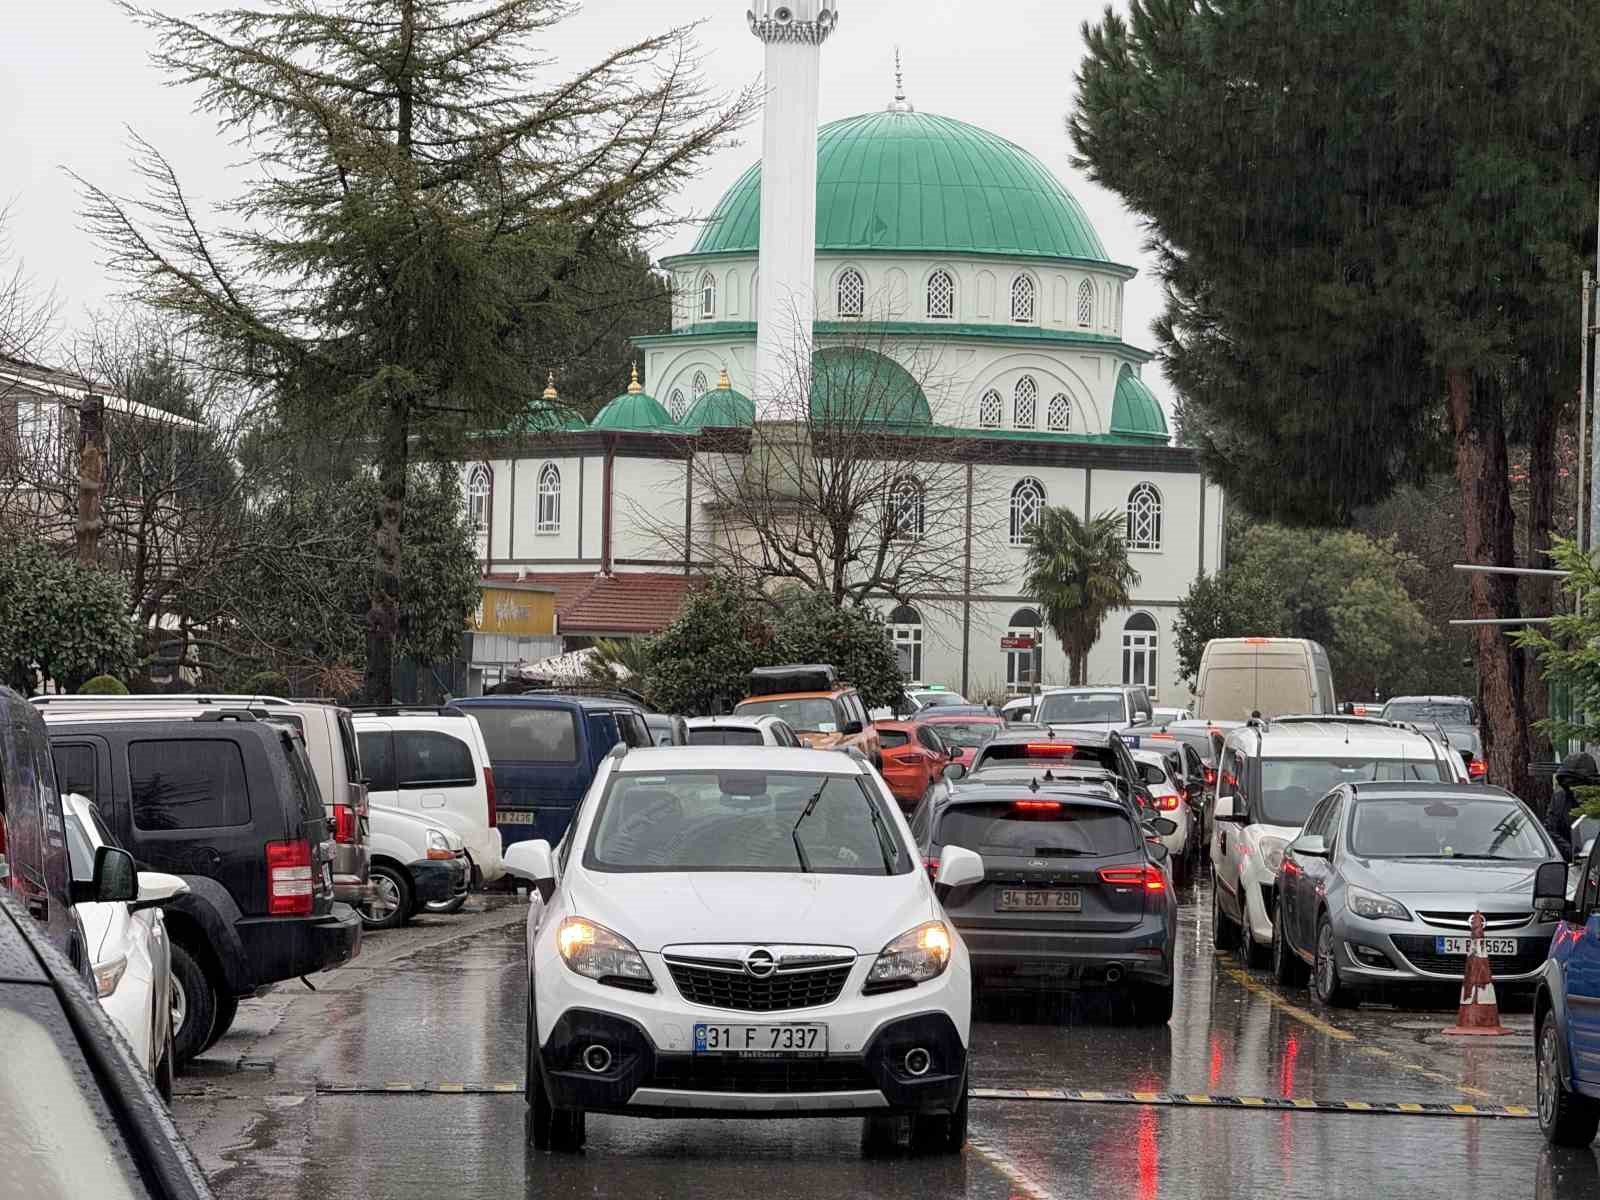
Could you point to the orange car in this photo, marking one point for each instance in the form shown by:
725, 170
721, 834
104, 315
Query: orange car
914, 758
824, 713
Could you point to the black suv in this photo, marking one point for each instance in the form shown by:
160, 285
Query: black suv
230, 804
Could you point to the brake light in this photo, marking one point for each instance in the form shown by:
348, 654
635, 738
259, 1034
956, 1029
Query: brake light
289, 884
1049, 750
1037, 805
1167, 803
1477, 768
1147, 877
933, 867
1210, 776
494, 805
344, 824
1257, 641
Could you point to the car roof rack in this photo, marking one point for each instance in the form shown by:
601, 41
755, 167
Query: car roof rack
169, 698
405, 710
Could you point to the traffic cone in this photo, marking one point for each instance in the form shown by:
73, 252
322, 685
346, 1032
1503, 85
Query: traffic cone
1479, 1013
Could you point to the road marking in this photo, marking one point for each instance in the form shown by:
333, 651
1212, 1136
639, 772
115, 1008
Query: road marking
1026, 1186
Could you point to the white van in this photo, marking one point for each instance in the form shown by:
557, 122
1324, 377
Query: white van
1272, 677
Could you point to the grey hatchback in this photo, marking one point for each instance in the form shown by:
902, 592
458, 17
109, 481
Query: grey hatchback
1381, 885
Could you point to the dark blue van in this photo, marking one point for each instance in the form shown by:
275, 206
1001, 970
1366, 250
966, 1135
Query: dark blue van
545, 750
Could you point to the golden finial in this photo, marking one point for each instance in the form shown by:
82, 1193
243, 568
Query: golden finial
724, 384
633, 384
550, 392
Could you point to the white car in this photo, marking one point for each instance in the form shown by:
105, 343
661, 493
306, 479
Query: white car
416, 864
754, 730
128, 948
1156, 770
744, 932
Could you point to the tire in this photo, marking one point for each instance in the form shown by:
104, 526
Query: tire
194, 1005
1224, 933
1252, 953
227, 1012
164, 1069
1151, 1004
1325, 982
1565, 1118
392, 900
1287, 967
561, 1130
945, 1134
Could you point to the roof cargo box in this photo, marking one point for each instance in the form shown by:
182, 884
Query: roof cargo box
796, 677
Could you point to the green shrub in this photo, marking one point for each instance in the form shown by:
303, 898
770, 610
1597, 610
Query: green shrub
267, 683
103, 685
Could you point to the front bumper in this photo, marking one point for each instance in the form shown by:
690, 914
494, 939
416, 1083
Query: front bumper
434, 880
1405, 952
278, 948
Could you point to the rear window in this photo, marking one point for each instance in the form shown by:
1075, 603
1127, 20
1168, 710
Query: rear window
424, 758
1033, 828
1081, 708
180, 783
817, 714
724, 737
528, 734
304, 780
892, 739
1045, 753
377, 756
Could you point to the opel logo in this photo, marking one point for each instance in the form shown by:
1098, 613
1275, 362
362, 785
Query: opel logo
760, 963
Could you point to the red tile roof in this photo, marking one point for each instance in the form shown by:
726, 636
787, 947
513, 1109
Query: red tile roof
625, 602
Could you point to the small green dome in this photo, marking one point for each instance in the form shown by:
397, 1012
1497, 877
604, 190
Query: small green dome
633, 410
1136, 412
542, 417
850, 385
720, 408
909, 181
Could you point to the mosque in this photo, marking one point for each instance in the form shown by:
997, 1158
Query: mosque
960, 259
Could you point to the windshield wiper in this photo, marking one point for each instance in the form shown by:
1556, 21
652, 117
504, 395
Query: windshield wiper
794, 834
882, 833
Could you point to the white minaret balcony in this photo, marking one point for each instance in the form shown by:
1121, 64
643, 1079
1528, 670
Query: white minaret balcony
808, 22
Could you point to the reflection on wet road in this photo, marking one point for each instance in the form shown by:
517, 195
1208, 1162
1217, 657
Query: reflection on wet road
442, 1005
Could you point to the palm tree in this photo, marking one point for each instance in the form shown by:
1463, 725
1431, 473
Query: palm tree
1078, 571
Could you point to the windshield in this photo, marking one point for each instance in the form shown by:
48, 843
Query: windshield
1420, 710
1423, 827
1081, 708
967, 735
814, 714
527, 734
743, 821
1036, 829
1290, 787
938, 699
724, 735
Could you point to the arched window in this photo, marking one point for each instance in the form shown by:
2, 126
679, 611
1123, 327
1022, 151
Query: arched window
907, 509
1144, 518
851, 293
1027, 502
1086, 304
1022, 302
548, 516
1139, 638
941, 296
1025, 403
989, 410
676, 405
905, 625
708, 295
698, 387
1059, 415
1024, 649
478, 501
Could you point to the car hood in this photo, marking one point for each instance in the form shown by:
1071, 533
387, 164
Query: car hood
1470, 878
656, 909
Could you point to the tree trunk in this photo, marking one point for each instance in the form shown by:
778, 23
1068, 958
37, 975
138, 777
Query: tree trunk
91, 477
383, 613
1539, 590
1480, 436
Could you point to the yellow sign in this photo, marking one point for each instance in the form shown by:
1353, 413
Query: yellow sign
527, 612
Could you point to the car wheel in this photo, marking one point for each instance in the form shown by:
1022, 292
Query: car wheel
391, 901
227, 1011
163, 1072
1224, 933
1252, 953
1151, 1003
1566, 1119
943, 1134
549, 1128
1325, 981
194, 1005
1287, 968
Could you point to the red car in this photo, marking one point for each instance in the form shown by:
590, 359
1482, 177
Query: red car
965, 733
914, 757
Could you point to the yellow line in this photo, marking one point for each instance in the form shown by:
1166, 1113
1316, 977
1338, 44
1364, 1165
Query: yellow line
1294, 1010
1251, 1101
1408, 1107
1464, 1108
1146, 1097
1015, 1175
1519, 1110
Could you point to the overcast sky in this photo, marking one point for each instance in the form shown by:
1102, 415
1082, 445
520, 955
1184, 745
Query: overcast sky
74, 76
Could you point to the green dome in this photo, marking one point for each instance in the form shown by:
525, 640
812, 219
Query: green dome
851, 385
720, 408
909, 181
633, 410
1136, 412
540, 416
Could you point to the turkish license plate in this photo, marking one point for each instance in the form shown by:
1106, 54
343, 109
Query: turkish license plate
504, 817
762, 1041
1039, 900
1458, 945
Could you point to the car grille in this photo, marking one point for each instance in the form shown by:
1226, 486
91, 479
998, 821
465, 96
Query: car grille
717, 987
1419, 950
1463, 920
724, 1074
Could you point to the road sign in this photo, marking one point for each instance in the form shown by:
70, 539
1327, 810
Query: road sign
1017, 641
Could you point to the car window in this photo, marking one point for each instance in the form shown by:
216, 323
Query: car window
722, 735
377, 758
77, 769
920, 820
1317, 822
1035, 829
1290, 787
80, 851
930, 740
1151, 773
425, 758
1442, 711
634, 730
783, 735
515, 734
893, 739
305, 779
181, 783
1441, 827
348, 747
967, 735
817, 714
1082, 708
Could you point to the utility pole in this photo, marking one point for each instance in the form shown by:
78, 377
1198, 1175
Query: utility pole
91, 475
1588, 393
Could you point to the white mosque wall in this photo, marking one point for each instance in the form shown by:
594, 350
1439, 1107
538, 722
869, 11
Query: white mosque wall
648, 510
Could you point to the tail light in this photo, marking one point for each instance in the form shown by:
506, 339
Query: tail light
289, 886
1477, 768
1037, 805
344, 824
933, 867
1049, 750
1210, 776
1147, 877
494, 805
1168, 803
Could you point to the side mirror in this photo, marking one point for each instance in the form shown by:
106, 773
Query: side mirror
850, 728
115, 878
954, 772
533, 861
1226, 809
1157, 851
156, 889
958, 867
955, 752
1162, 826
1550, 883
1311, 845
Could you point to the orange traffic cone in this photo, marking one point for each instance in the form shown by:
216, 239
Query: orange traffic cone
1479, 1013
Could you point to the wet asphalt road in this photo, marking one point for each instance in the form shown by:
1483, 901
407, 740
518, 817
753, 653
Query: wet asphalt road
442, 1004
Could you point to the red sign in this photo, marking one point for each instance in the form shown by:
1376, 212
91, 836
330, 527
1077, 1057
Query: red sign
1017, 641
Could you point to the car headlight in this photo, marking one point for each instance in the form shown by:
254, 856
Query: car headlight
1272, 849
439, 845
1375, 907
916, 956
594, 952
108, 974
